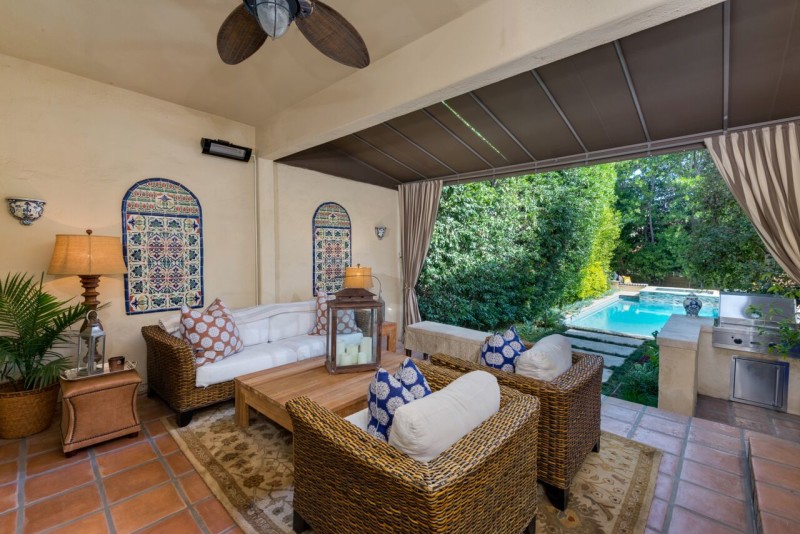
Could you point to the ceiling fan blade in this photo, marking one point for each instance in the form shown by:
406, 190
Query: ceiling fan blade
239, 36
331, 34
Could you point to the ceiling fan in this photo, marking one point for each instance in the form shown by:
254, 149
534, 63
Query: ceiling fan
249, 25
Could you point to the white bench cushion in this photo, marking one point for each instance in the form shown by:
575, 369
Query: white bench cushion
431, 337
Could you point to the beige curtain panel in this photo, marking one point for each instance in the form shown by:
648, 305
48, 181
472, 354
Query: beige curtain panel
762, 170
419, 203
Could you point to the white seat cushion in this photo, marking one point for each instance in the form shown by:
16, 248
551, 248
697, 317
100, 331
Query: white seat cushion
250, 360
426, 427
360, 419
306, 346
550, 357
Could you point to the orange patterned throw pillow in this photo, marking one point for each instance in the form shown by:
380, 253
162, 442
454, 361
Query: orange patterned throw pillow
345, 322
212, 334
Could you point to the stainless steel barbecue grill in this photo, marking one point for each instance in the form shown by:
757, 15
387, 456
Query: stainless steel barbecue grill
749, 322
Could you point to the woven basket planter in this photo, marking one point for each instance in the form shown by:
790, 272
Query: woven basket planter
23, 413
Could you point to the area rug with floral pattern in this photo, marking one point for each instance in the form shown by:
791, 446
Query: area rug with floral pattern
250, 472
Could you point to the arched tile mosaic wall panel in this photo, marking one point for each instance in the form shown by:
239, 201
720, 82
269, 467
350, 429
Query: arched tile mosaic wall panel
332, 247
162, 242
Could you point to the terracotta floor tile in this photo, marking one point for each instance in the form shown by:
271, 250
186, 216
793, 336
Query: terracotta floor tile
772, 524
664, 426
61, 508
134, 480
8, 497
155, 428
91, 524
52, 460
166, 444
678, 418
147, 508
155, 412
669, 464
119, 443
8, 472
664, 485
619, 412
716, 427
715, 440
194, 487
713, 479
747, 411
787, 433
778, 501
178, 463
658, 513
708, 456
625, 404
53, 482
46, 441
615, 426
777, 474
778, 420
182, 523
775, 449
658, 440
749, 424
214, 515
118, 460
9, 452
687, 522
8, 522
710, 504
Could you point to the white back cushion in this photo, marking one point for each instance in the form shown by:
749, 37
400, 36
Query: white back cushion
548, 358
290, 324
426, 427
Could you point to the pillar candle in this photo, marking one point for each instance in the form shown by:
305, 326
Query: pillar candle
352, 349
366, 345
363, 358
340, 345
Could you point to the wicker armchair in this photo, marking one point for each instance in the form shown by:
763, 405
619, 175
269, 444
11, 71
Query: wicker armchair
569, 424
348, 481
171, 375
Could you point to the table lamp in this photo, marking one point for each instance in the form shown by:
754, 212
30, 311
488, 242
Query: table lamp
88, 256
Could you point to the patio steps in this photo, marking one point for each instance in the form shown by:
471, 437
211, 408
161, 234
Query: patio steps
608, 338
613, 349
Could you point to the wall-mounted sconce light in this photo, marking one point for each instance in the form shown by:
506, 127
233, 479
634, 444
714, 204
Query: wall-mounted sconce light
26, 210
380, 231
225, 149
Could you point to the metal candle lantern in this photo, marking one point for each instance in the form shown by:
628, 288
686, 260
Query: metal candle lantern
359, 351
91, 346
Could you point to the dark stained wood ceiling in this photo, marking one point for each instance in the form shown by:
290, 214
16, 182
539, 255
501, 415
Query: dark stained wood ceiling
733, 65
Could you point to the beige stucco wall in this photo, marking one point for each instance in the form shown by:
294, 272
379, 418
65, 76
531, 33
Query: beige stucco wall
291, 196
79, 145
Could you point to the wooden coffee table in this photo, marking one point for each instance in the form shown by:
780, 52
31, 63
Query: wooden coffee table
267, 391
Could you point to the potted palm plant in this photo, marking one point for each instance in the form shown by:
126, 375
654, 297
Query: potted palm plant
32, 321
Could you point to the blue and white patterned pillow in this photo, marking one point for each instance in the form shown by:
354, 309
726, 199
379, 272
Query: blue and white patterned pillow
501, 351
413, 379
386, 395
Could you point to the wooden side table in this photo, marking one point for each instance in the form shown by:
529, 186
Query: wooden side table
389, 330
98, 408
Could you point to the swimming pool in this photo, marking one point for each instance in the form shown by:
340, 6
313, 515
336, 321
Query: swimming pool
633, 317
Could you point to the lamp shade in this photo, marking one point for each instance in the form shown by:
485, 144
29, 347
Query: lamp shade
87, 255
358, 277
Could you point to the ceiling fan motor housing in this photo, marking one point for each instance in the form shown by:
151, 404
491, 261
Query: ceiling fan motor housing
297, 8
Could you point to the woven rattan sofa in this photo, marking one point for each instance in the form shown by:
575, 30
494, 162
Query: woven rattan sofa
569, 424
273, 334
349, 481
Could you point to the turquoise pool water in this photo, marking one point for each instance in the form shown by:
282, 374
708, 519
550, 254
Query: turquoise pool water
633, 317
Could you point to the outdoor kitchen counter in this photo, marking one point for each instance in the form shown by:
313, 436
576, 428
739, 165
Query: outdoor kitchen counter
677, 363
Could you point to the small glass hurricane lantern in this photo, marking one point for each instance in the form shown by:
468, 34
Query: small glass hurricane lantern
354, 325
91, 346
